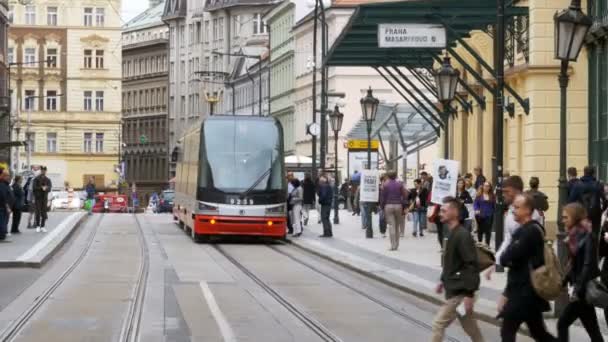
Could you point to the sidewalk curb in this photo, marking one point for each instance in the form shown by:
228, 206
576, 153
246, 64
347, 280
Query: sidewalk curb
37, 262
409, 290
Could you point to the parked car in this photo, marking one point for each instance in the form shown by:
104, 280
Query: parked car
166, 202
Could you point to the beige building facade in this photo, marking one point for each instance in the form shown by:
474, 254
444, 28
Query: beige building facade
66, 88
531, 141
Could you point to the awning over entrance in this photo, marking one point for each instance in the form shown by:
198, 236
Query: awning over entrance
358, 43
397, 123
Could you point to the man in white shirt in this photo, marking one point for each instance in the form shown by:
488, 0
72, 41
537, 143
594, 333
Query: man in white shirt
511, 188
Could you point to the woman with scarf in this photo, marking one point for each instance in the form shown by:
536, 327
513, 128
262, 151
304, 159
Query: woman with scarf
583, 268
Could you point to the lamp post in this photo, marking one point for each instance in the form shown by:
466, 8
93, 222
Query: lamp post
369, 107
571, 27
336, 118
446, 80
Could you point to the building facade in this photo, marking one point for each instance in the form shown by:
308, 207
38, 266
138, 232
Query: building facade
242, 92
145, 131
66, 88
531, 141
5, 112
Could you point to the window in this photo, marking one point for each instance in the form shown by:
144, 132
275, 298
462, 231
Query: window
206, 32
88, 101
51, 16
236, 25
221, 29
182, 37
30, 100
88, 142
259, 27
88, 16
51, 142
11, 55
99, 101
99, 59
99, 143
214, 29
30, 15
100, 14
30, 57
51, 100
31, 141
198, 32
51, 58
88, 59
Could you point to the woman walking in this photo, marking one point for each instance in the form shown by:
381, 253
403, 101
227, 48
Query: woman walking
418, 200
391, 202
465, 198
309, 190
520, 302
583, 268
484, 212
296, 199
19, 204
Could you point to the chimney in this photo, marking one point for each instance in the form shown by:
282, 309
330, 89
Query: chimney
154, 3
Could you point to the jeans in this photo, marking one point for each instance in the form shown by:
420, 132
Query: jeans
586, 313
16, 220
366, 215
417, 218
536, 326
325, 211
447, 314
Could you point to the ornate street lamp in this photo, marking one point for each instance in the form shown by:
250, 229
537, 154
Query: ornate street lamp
369, 107
571, 27
336, 118
446, 80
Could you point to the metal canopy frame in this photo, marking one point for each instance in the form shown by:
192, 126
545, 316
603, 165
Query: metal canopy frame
357, 45
401, 123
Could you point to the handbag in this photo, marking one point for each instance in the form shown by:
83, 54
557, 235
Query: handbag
485, 256
432, 213
597, 294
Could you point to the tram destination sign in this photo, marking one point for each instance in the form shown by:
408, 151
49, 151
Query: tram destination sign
411, 36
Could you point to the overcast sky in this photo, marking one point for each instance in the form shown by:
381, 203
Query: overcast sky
131, 8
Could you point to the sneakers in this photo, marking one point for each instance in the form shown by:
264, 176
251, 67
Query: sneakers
41, 230
8, 234
37, 229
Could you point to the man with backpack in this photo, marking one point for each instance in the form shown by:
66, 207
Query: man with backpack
589, 192
540, 199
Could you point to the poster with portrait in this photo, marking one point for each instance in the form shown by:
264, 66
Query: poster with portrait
370, 186
445, 176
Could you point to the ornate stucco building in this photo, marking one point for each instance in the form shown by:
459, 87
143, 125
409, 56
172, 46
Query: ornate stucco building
4, 92
67, 88
145, 132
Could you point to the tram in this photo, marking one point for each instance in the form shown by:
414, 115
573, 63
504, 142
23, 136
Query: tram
230, 178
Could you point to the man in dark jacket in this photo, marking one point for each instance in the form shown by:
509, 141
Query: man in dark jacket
18, 204
42, 187
459, 277
6, 202
90, 190
325, 199
572, 179
590, 193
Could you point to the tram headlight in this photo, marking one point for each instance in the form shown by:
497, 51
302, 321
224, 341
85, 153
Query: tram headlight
275, 210
205, 207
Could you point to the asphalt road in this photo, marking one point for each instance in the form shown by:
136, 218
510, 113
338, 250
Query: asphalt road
228, 291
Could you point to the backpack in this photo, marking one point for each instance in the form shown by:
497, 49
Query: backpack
590, 201
547, 279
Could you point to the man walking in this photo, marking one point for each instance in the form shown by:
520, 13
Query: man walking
459, 277
42, 187
393, 196
325, 199
308, 186
572, 178
90, 190
540, 199
29, 195
479, 177
590, 193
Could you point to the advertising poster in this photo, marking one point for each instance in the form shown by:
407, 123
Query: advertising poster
369, 186
357, 161
445, 176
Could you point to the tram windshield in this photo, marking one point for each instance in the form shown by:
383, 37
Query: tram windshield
240, 155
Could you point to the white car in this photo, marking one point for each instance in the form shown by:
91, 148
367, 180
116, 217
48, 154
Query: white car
62, 200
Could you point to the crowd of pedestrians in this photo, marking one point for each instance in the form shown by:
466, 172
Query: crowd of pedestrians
16, 198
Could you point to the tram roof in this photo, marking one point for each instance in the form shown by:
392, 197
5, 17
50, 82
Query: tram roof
357, 45
398, 122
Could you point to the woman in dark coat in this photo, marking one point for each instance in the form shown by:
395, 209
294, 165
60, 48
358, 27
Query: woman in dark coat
583, 268
520, 302
19, 204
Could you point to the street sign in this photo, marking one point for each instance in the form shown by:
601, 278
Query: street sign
362, 144
412, 36
143, 139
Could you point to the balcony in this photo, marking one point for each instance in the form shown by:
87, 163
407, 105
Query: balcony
214, 5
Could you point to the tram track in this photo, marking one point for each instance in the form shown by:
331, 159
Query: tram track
315, 326
131, 323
